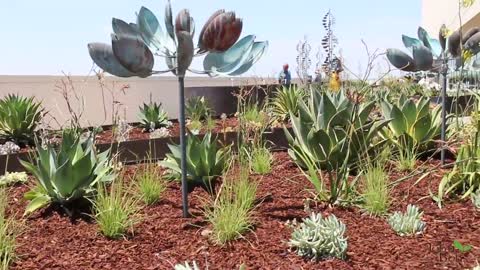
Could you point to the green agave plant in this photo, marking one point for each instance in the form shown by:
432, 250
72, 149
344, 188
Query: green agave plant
67, 174
197, 108
152, 116
326, 122
286, 101
205, 161
19, 117
413, 124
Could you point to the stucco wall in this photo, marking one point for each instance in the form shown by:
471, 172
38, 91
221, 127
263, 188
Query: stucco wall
438, 12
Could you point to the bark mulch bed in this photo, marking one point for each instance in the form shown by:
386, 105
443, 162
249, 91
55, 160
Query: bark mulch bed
163, 238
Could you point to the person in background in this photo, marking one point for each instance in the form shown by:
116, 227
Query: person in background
285, 77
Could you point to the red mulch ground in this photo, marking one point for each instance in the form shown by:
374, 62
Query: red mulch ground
138, 133
164, 238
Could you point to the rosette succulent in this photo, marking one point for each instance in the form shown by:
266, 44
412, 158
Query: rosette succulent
134, 45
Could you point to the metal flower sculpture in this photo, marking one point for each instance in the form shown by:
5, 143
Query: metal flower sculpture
134, 46
430, 54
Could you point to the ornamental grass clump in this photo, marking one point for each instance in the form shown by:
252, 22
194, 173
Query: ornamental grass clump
150, 184
116, 210
230, 213
409, 223
9, 230
319, 238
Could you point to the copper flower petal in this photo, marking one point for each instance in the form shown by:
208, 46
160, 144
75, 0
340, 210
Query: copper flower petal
184, 21
454, 44
205, 26
469, 34
222, 32
133, 54
423, 57
185, 52
102, 55
442, 38
473, 43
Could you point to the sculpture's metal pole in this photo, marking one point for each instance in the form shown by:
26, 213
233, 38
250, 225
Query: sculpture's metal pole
444, 110
183, 145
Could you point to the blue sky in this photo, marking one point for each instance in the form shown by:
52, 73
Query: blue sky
48, 37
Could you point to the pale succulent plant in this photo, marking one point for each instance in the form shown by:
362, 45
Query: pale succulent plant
408, 223
187, 266
12, 178
319, 238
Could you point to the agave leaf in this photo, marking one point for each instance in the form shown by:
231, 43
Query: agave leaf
102, 55
401, 60
423, 57
231, 59
37, 203
133, 54
421, 128
258, 49
320, 144
398, 122
185, 52
410, 111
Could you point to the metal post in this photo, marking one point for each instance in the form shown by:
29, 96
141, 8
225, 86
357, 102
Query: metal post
183, 145
444, 111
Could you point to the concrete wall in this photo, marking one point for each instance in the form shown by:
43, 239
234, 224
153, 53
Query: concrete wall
438, 12
98, 107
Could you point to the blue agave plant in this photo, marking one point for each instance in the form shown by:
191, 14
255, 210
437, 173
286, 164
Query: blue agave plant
135, 45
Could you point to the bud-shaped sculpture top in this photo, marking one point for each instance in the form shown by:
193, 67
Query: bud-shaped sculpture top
427, 51
134, 45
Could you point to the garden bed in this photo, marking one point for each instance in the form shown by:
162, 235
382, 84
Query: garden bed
139, 147
163, 238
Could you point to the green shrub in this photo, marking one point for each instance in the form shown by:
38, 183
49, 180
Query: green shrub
230, 213
205, 161
320, 238
150, 184
67, 174
152, 116
409, 223
19, 117
116, 210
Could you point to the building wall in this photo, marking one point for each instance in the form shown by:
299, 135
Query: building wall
97, 104
438, 12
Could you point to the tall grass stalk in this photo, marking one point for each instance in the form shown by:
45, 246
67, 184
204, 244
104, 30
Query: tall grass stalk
116, 210
9, 230
230, 213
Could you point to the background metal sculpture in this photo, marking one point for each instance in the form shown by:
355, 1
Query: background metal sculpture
134, 46
303, 60
329, 44
430, 54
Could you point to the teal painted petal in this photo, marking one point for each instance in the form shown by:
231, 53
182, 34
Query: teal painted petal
258, 50
231, 59
121, 28
133, 54
152, 33
169, 20
171, 63
423, 57
401, 60
409, 42
102, 55
185, 52
430, 43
